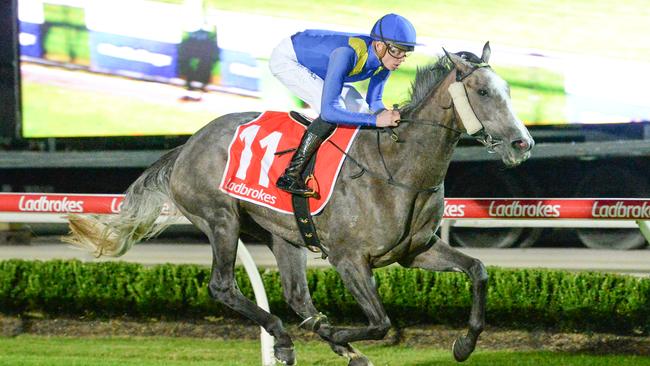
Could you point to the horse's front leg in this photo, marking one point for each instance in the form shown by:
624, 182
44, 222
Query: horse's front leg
292, 264
358, 279
442, 257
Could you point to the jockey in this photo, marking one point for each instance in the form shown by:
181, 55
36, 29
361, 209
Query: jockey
316, 65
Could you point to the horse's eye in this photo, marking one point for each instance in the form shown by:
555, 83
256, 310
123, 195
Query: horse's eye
482, 92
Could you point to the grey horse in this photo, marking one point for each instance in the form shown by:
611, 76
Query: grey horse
388, 215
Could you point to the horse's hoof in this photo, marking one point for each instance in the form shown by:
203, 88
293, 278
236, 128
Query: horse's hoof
359, 361
462, 348
285, 355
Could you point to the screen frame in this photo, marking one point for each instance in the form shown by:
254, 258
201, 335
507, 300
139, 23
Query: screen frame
10, 89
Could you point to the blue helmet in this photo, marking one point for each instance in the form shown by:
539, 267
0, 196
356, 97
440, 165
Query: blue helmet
394, 29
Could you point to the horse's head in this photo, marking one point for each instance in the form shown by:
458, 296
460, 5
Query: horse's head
482, 102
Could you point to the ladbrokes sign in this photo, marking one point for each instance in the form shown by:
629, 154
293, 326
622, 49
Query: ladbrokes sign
46, 204
620, 210
60, 203
455, 208
481, 208
518, 209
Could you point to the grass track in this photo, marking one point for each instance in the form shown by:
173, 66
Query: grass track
54, 351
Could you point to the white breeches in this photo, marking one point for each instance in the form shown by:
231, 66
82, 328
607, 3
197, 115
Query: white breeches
305, 84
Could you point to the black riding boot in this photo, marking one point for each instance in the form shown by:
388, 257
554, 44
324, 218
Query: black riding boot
291, 181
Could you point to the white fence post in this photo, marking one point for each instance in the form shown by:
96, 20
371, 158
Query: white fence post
445, 229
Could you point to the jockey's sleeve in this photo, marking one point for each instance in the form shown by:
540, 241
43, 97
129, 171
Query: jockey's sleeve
341, 61
376, 90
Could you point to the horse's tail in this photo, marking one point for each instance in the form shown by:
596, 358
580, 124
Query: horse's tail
114, 235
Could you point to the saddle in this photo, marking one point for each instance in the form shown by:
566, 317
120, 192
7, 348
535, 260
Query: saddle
301, 118
258, 155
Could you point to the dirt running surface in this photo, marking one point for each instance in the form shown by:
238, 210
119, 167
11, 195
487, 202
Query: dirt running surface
431, 336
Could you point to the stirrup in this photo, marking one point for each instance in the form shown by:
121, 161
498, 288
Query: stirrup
313, 193
292, 185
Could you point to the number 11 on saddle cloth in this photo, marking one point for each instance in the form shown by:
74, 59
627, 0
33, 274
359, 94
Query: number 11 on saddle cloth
253, 165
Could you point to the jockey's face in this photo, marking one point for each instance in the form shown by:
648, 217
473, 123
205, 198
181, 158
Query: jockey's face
391, 56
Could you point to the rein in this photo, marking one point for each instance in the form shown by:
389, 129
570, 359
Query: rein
390, 180
430, 123
395, 138
481, 136
484, 138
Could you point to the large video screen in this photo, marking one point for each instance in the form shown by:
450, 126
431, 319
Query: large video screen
145, 68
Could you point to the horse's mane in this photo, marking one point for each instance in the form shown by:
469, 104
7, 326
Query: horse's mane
428, 78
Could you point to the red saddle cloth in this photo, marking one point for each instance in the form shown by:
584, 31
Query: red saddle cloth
253, 166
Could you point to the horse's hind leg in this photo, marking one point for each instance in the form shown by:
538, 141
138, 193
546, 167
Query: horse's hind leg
222, 228
292, 263
442, 257
357, 277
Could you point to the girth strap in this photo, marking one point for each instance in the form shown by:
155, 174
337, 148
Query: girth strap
306, 225
302, 212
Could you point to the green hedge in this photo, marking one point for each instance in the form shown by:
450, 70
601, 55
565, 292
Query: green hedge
516, 298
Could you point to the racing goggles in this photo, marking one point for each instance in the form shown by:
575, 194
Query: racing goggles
398, 51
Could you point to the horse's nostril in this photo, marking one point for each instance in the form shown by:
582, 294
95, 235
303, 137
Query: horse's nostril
521, 145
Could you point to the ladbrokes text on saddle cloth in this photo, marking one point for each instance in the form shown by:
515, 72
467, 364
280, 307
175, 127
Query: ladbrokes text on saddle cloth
253, 166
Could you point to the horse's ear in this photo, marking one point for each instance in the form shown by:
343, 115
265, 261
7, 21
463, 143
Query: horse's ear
485, 57
458, 61
446, 53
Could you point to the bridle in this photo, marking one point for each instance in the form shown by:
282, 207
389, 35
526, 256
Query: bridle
481, 136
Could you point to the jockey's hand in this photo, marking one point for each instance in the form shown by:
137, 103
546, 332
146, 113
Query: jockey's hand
388, 118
